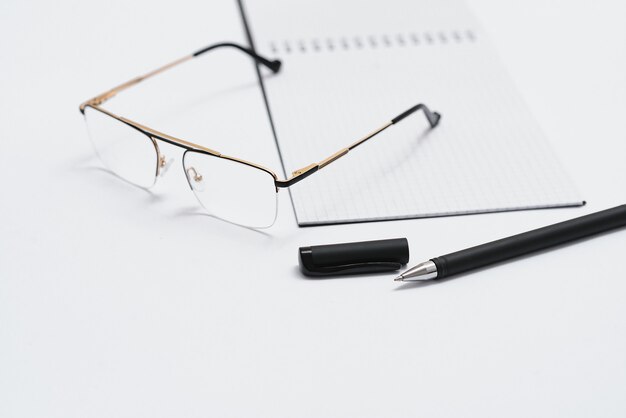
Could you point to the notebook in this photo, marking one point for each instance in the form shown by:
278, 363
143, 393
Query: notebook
350, 66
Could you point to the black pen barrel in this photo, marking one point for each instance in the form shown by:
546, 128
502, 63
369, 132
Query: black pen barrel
528, 242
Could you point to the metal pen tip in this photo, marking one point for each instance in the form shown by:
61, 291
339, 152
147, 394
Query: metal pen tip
423, 271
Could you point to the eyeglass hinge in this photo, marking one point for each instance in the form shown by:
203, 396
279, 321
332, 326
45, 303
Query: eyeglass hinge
98, 100
303, 170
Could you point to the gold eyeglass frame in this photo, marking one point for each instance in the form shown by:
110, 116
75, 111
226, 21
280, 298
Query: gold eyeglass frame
274, 65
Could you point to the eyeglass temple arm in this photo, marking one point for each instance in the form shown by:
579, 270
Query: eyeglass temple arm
273, 65
298, 175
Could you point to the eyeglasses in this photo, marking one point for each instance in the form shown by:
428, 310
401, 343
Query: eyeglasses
229, 188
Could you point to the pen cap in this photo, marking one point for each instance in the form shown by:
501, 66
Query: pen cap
354, 257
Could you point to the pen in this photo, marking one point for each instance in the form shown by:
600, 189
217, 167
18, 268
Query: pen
516, 245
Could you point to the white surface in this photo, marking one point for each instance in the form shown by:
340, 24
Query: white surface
116, 302
346, 75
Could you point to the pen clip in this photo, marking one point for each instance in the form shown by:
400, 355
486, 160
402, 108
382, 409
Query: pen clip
358, 268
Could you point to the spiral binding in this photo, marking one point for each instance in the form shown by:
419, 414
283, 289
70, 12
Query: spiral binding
356, 43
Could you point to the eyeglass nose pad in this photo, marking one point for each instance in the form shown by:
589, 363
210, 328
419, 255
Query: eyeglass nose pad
164, 164
195, 179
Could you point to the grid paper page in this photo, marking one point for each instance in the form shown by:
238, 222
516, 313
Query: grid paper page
349, 67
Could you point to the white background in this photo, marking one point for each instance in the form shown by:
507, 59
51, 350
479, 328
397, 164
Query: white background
118, 302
